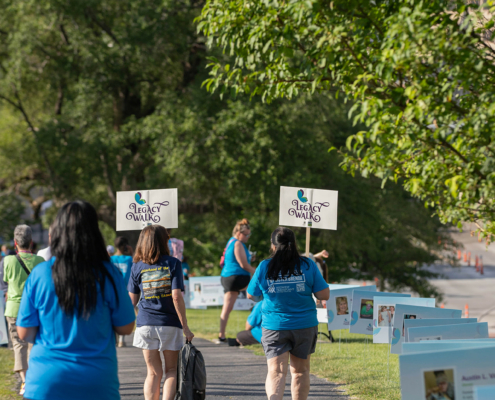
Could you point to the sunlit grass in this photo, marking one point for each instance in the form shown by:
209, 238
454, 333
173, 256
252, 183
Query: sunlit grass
368, 370
7, 377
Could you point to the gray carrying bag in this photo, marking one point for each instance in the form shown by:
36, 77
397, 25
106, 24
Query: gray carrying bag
191, 374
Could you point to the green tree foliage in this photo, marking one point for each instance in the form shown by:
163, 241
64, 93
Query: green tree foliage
102, 96
420, 75
11, 211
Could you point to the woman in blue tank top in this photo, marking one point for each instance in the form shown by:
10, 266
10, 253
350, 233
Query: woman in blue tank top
236, 272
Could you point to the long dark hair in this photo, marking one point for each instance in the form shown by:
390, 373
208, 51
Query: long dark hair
79, 248
285, 260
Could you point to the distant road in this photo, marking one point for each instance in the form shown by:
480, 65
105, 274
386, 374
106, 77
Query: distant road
464, 285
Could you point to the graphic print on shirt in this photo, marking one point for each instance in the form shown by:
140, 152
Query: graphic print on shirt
295, 283
156, 283
122, 267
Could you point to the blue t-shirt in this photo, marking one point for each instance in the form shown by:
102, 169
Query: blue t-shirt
231, 266
72, 358
288, 302
155, 283
255, 319
124, 263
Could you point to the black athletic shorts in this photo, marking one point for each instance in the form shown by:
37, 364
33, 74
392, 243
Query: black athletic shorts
235, 283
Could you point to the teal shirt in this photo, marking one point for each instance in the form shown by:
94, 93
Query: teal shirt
288, 302
232, 267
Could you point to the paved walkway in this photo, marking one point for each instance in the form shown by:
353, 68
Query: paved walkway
233, 373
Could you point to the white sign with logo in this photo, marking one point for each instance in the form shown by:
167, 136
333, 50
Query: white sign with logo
303, 207
4, 339
140, 208
205, 291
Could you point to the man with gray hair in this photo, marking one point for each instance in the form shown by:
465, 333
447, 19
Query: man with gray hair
16, 271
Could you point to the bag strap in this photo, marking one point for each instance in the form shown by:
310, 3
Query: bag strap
22, 264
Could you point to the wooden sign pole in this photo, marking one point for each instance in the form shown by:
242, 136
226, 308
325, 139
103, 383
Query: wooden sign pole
309, 222
308, 231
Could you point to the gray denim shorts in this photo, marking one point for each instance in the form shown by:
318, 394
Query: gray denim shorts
299, 342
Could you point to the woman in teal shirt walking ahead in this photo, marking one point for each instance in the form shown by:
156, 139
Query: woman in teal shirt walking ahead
236, 272
287, 282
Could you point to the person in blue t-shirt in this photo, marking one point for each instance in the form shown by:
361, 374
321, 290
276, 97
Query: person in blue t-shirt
70, 308
236, 272
252, 334
186, 269
123, 261
287, 282
157, 282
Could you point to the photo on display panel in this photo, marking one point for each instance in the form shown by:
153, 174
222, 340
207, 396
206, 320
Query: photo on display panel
342, 305
366, 309
197, 288
386, 315
439, 384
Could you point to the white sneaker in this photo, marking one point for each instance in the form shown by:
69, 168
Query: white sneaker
220, 341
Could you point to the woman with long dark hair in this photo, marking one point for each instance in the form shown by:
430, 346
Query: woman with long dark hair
157, 279
287, 282
70, 308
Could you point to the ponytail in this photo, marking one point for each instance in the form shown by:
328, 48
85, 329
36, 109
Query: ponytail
286, 260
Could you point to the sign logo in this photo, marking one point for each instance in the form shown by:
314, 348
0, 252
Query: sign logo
145, 213
305, 210
300, 196
139, 200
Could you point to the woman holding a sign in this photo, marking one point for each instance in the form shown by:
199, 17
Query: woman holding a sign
287, 282
236, 272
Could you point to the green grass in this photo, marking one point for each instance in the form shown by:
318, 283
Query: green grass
8, 380
368, 371
362, 367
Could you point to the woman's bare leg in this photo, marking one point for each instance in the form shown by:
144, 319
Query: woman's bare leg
229, 299
170, 384
155, 373
275, 379
299, 369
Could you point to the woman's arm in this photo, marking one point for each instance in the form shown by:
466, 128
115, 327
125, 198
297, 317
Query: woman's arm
134, 298
240, 256
323, 294
27, 334
180, 307
124, 330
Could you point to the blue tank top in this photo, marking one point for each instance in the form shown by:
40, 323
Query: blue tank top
232, 267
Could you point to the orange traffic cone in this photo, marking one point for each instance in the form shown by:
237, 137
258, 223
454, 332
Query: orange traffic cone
442, 305
465, 257
466, 311
459, 254
364, 283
